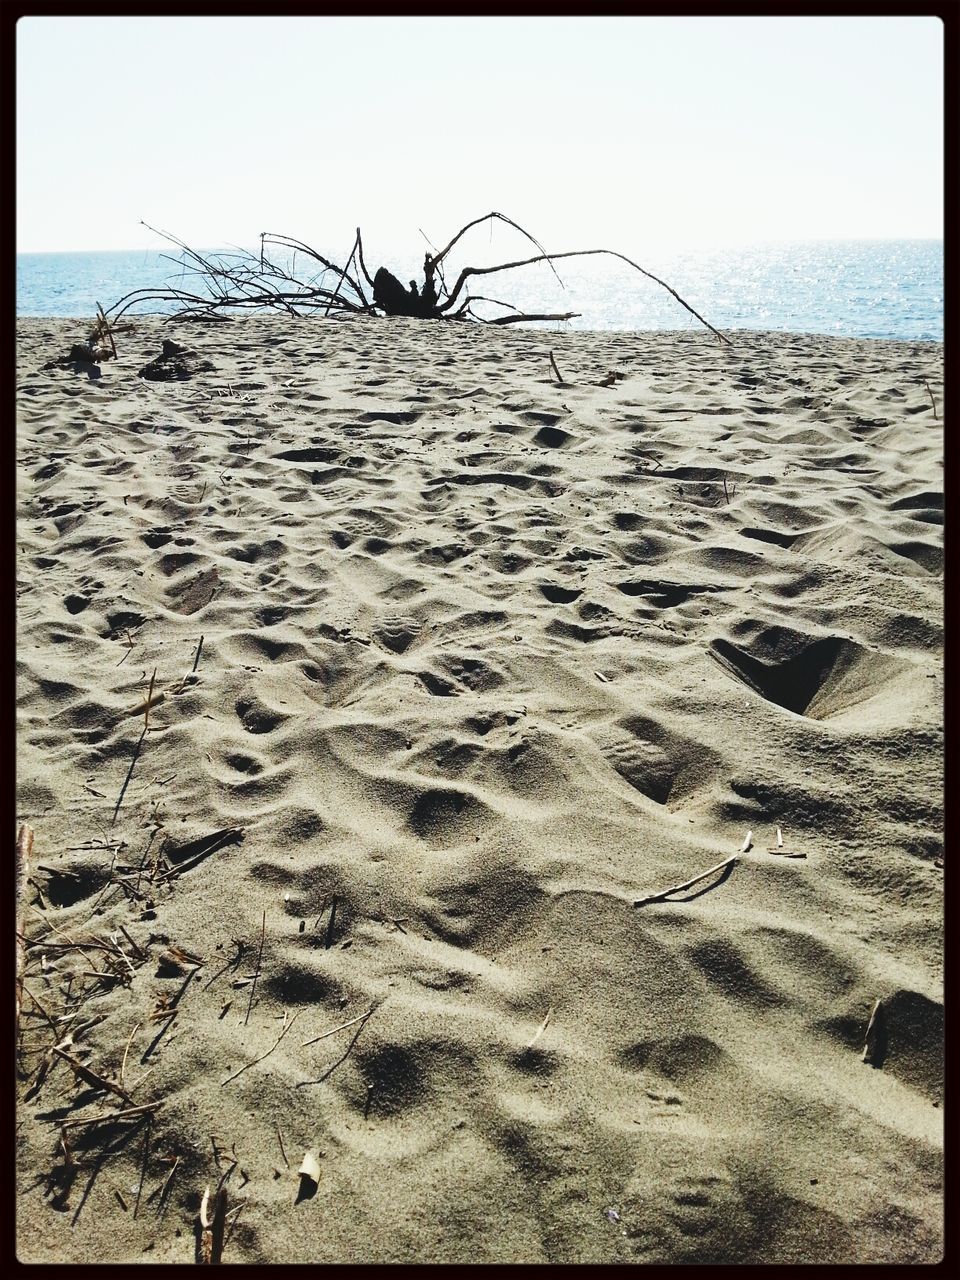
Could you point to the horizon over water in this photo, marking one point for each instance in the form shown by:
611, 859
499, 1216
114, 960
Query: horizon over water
843, 288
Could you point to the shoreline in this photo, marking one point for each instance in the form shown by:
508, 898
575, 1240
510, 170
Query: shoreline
449, 664
162, 318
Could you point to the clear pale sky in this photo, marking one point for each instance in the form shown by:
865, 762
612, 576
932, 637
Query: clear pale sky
591, 132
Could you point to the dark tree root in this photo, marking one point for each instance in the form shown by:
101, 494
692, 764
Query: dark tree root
254, 282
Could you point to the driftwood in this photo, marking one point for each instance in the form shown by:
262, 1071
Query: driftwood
232, 282
687, 884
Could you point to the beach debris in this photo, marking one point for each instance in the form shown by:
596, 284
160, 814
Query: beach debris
163, 1190
175, 364
175, 962
309, 1174
283, 1150
542, 1028
362, 1020
601, 677
129, 1113
687, 884
748, 842
875, 1039
932, 401
254, 281
779, 850
253, 985
553, 365
91, 1077
611, 1214
187, 856
212, 1223
246, 1067
333, 915
99, 346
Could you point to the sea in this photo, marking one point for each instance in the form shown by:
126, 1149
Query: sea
846, 288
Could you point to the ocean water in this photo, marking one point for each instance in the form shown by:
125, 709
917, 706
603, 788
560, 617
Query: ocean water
847, 288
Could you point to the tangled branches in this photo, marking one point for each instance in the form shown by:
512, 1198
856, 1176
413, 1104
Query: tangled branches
239, 281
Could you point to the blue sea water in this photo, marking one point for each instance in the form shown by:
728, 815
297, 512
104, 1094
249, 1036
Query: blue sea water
846, 288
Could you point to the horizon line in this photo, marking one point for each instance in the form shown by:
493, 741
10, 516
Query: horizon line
657, 243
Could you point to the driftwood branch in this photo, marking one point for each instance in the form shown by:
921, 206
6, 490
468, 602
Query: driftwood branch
255, 281
573, 253
687, 884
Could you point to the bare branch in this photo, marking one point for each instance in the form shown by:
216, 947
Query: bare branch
575, 253
503, 218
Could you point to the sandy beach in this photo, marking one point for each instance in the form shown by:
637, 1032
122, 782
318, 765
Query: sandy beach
369, 677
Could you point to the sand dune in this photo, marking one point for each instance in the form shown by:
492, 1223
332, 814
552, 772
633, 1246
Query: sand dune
454, 663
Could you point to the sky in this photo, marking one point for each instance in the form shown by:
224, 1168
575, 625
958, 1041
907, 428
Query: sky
590, 132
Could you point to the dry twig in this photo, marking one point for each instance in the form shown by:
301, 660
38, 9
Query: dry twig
248, 1065
253, 987
542, 1028
687, 884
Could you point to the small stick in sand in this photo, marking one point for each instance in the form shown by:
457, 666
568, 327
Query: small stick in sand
283, 1150
875, 1040
91, 1077
211, 1228
126, 781
123, 1064
748, 842
263, 931
932, 401
161, 1203
780, 851
687, 884
143, 1165
146, 706
246, 1067
333, 914
140, 953
553, 364
196, 659
346, 1053
542, 1028
342, 1027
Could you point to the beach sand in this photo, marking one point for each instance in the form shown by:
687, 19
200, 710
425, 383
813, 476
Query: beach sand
486, 658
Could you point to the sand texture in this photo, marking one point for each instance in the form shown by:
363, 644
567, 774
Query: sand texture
486, 658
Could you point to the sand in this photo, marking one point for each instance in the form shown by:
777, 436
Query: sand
486, 658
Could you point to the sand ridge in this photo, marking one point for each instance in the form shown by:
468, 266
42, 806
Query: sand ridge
485, 658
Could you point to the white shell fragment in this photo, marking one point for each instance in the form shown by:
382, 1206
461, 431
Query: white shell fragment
310, 1168
748, 843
